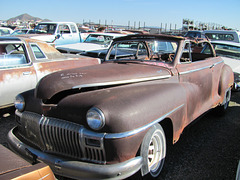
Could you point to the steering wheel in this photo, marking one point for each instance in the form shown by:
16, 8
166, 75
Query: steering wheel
155, 56
170, 57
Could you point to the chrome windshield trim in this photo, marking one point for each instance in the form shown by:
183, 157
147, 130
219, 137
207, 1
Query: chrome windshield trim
121, 82
140, 129
199, 69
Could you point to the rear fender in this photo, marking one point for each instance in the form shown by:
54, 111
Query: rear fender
226, 81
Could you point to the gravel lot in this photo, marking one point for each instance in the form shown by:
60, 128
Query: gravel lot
209, 149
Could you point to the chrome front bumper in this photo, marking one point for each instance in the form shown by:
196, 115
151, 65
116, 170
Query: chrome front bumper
75, 169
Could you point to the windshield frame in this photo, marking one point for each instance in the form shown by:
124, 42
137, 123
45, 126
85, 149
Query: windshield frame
150, 52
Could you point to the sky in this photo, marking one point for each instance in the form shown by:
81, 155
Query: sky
122, 12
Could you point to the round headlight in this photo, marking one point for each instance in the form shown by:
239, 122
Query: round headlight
95, 118
19, 103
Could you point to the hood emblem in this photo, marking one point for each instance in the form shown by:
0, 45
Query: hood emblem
71, 75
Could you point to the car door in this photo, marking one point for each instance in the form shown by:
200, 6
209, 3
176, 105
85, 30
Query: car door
17, 73
66, 36
197, 79
75, 34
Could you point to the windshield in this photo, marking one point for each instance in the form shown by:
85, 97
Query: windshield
227, 50
157, 50
45, 29
99, 39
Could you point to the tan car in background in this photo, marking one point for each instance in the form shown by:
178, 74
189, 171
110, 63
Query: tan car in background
14, 167
23, 62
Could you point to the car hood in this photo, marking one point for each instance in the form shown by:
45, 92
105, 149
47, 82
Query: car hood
102, 75
81, 47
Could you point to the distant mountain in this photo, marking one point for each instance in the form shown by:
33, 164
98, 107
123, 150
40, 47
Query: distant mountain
26, 17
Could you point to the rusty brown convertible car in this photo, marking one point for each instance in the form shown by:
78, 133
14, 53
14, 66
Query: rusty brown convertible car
115, 119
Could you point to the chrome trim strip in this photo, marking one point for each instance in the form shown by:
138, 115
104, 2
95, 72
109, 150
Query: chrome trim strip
138, 130
219, 62
86, 133
199, 69
121, 82
194, 70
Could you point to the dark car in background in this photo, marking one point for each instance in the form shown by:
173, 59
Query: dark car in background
195, 34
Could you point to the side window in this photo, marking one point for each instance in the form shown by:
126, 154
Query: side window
217, 36
37, 52
64, 29
73, 29
196, 52
12, 55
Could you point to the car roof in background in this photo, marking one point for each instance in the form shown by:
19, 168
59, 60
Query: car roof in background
9, 38
220, 31
107, 34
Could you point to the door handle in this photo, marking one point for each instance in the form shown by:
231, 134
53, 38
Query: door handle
27, 73
212, 66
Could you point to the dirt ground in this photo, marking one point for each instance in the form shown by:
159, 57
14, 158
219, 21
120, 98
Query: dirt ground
209, 149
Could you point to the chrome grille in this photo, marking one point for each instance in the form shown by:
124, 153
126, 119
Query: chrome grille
61, 137
94, 154
65, 138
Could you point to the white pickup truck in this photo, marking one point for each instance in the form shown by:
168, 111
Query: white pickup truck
59, 33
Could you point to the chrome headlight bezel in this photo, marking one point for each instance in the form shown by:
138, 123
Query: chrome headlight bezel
19, 103
95, 118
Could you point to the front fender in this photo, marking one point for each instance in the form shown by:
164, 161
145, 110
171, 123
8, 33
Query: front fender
138, 106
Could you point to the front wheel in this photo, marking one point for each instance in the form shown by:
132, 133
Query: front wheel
153, 151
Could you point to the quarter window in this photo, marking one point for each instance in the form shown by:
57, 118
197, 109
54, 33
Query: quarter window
37, 52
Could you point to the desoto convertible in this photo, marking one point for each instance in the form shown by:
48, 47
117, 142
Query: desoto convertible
115, 119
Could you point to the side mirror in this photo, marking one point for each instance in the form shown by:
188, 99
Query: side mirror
56, 37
